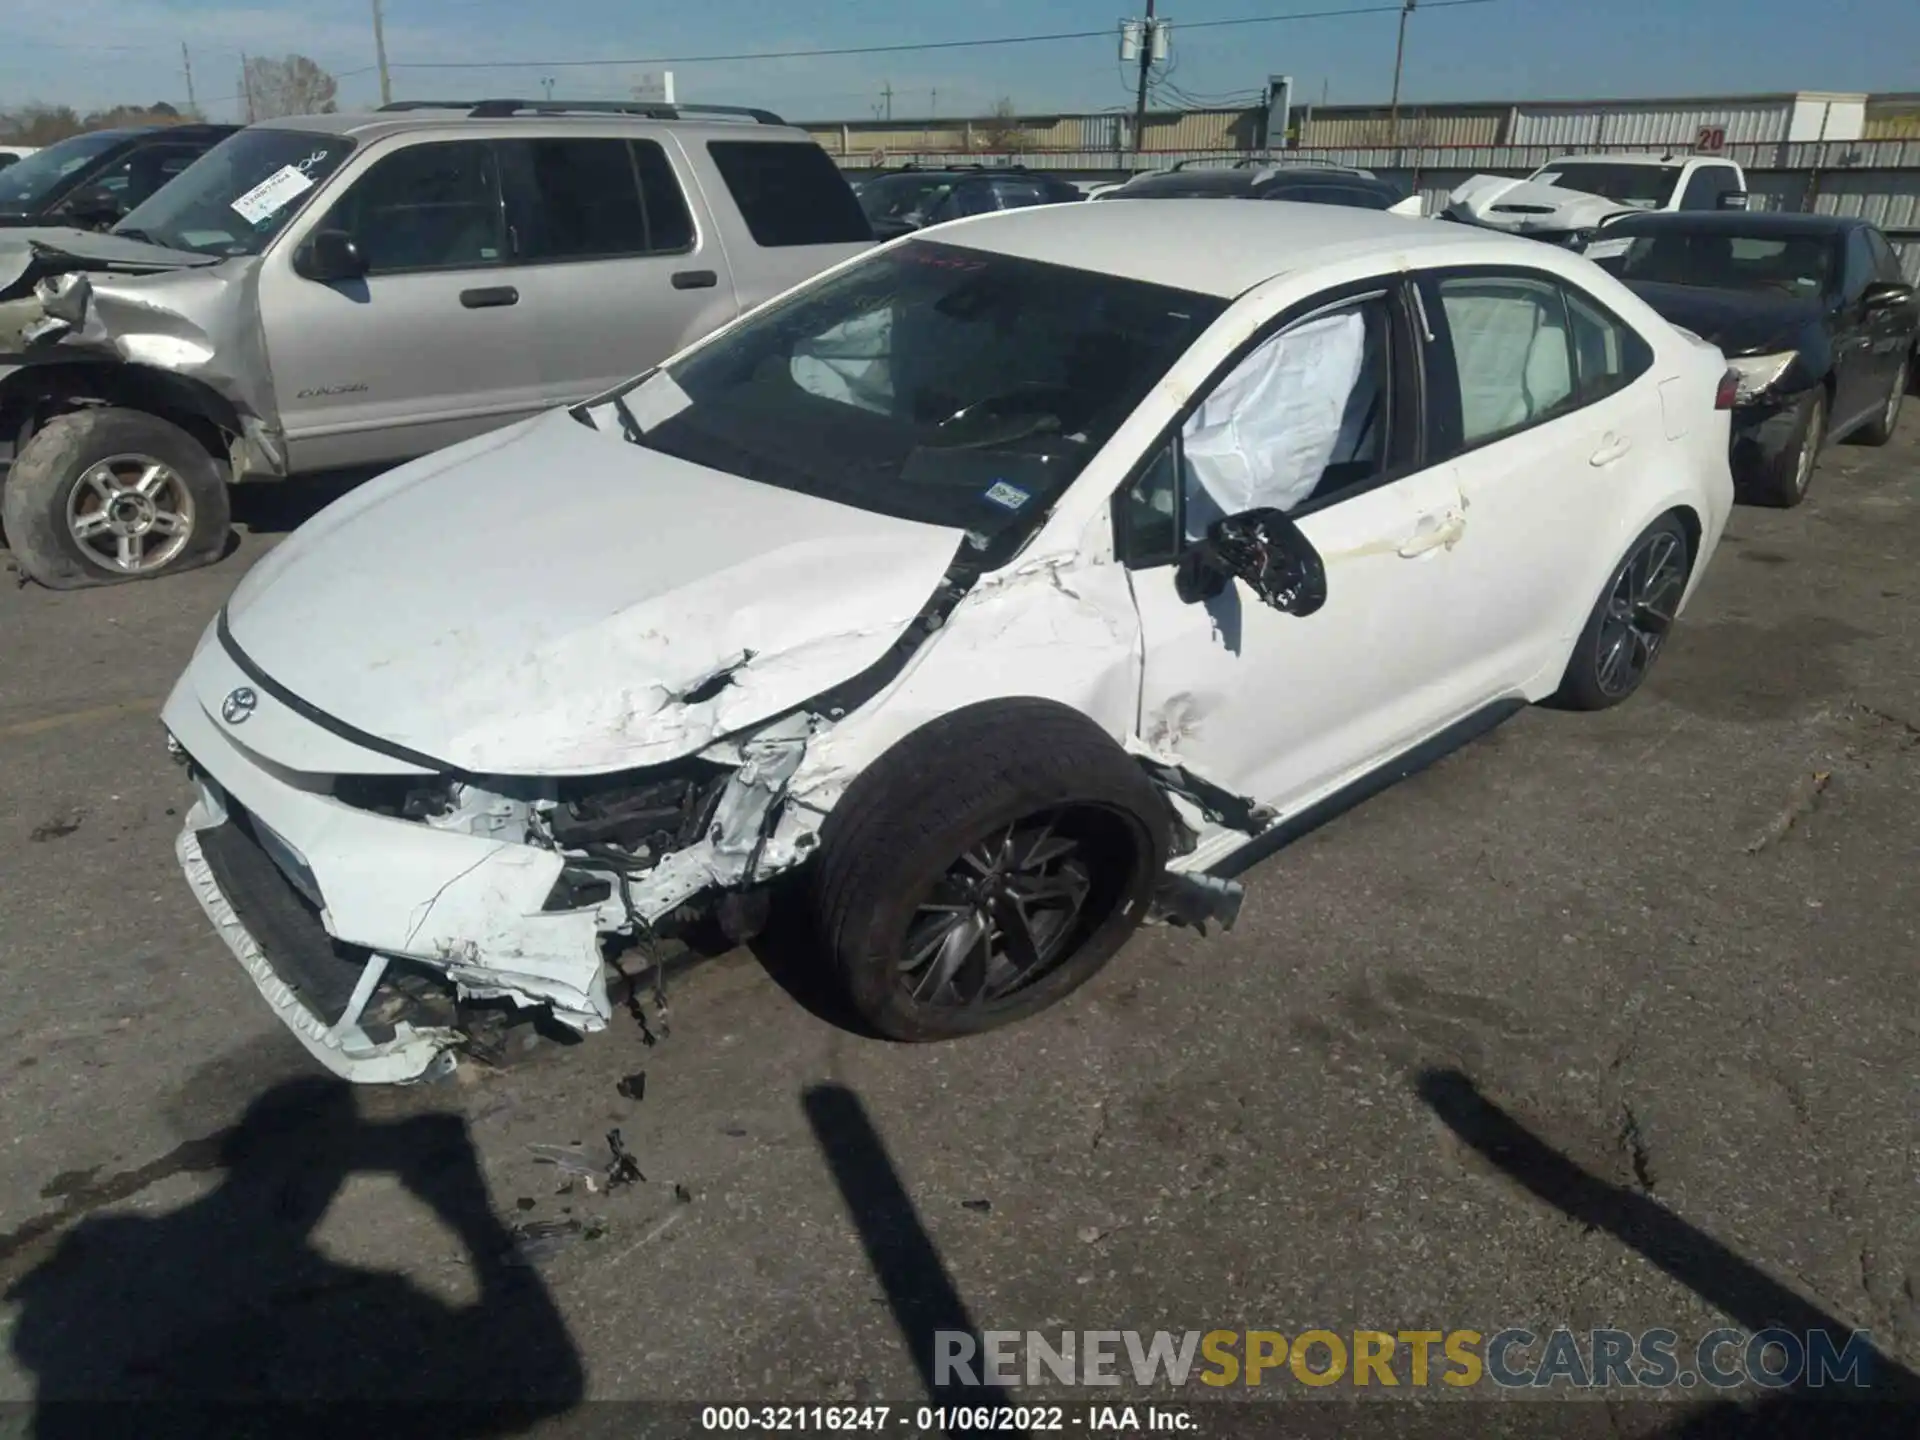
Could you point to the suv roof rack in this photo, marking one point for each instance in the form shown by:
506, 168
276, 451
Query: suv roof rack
972, 165
1265, 160
645, 109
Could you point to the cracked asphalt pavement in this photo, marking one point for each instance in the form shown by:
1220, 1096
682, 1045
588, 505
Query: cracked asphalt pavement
1675, 942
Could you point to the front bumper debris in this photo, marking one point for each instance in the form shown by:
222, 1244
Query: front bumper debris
303, 979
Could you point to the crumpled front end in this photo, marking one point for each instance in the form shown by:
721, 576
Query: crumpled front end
153, 308
1551, 213
371, 901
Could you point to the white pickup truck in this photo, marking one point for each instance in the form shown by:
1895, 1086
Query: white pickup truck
1566, 200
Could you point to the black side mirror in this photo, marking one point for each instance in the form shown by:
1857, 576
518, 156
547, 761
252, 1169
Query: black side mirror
93, 206
1887, 295
330, 255
1731, 200
1267, 551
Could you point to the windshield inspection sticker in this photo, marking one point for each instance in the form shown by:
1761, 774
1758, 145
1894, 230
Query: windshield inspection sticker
271, 194
1009, 497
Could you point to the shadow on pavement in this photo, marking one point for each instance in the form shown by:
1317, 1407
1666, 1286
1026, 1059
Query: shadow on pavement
222, 1313
919, 1291
1731, 1285
275, 507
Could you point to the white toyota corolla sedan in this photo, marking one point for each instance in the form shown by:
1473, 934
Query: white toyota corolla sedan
1015, 583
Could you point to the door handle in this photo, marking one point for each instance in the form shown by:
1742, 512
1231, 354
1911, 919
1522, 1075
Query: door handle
695, 279
489, 296
1436, 531
1611, 449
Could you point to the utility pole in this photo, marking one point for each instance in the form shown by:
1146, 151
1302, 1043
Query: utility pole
1146, 69
246, 85
886, 97
380, 55
186, 62
1399, 53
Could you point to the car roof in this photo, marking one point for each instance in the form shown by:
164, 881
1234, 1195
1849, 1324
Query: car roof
378, 124
1245, 244
1668, 158
1759, 223
1200, 183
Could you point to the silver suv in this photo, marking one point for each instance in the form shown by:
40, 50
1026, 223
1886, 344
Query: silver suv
344, 292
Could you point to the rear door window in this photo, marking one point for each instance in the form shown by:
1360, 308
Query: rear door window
789, 193
594, 199
1608, 354
1511, 352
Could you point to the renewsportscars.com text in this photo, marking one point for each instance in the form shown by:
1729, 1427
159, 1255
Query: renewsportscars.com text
1511, 1358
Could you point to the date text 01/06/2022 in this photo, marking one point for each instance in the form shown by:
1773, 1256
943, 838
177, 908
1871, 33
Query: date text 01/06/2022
937, 1419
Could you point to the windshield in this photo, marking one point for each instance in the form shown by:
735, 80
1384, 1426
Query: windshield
929, 382
27, 184
1797, 265
1645, 187
901, 197
235, 198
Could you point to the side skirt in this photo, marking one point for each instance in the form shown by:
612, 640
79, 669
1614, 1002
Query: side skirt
1409, 762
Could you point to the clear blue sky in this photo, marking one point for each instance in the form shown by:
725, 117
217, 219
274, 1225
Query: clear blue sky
90, 53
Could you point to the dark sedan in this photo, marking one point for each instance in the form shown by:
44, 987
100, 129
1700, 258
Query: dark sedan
906, 200
92, 180
1814, 316
1313, 185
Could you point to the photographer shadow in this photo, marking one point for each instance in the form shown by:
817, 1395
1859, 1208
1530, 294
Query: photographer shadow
223, 1312
1887, 1404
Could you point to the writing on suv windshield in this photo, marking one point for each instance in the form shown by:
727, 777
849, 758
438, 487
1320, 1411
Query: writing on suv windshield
237, 196
929, 382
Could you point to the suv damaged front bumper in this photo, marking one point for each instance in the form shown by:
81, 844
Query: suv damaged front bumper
155, 310
368, 927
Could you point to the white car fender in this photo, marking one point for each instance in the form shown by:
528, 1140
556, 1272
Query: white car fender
1059, 626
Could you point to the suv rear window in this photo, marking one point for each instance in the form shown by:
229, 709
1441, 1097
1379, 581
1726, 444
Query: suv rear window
591, 199
790, 193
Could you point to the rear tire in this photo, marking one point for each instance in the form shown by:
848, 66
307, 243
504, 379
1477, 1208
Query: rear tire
1879, 430
1782, 480
1629, 623
97, 497
984, 868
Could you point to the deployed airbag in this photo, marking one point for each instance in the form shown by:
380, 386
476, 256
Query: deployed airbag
1266, 434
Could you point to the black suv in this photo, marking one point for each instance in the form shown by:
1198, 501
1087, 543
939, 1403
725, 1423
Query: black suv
1253, 179
90, 181
906, 199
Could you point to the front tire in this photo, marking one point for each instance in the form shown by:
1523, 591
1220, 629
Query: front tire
1781, 480
1629, 624
984, 868
100, 496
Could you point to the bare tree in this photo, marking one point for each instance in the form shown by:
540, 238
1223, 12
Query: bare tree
1004, 132
39, 124
290, 86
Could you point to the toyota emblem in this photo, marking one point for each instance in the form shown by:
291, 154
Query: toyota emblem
238, 705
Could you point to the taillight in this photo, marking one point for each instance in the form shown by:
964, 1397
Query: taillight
1723, 398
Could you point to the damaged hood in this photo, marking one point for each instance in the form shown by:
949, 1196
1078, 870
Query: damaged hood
1520, 206
552, 600
28, 254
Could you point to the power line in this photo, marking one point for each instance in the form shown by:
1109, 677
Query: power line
838, 50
